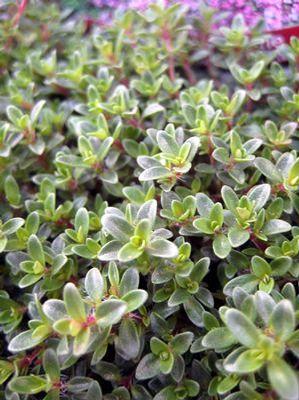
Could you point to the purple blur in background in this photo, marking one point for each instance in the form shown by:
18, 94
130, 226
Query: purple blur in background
275, 13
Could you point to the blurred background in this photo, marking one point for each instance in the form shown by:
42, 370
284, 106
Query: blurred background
276, 14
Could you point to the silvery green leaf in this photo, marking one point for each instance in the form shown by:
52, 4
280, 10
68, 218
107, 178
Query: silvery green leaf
204, 204
283, 379
148, 211
154, 173
128, 341
54, 309
264, 305
229, 197
94, 284
275, 226
148, 162
23, 341
117, 227
194, 311
110, 251
110, 312
242, 328
36, 110
282, 319
162, 248
247, 282
129, 281
148, 367
109, 177
38, 147
252, 145
12, 225
259, 195
221, 245
219, 338
237, 236
151, 109
284, 163
268, 169
129, 252
135, 298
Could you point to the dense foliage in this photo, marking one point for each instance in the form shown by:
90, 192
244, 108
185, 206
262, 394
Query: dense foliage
149, 202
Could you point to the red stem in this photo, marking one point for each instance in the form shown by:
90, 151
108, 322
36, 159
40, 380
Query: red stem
189, 73
21, 9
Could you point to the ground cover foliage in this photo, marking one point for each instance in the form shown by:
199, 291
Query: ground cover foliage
149, 203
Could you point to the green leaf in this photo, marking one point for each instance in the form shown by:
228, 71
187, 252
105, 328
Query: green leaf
6, 370
35, 249
181, 342
293, 176
204, 204
128, 341
275, 226
242, 328
81, 342
192, 387
158, 346
129, 252
3, 243
283, 379
268, 169
23, 341
264, 305
117, 227
203, 225
259, 195
167, 143
238, 236
267, 286
82, 221
221, 246
12, 225
218, 338
73, 303
282, 319
167, 364
160, 247
36, 110
129, 281
110, 312
94, 284
110, 251
179, 296
148, 367
28, 384
12, 191
228, 383
51, 365
94, 391
54, 309
194, 311
143, 229
154, 173
216, 214
151, 109
249, 361
135, 299
260, 267
281, 265
63, 326
229, 197
29, 280
14, 114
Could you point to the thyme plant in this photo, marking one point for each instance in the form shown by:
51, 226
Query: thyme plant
149, 179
